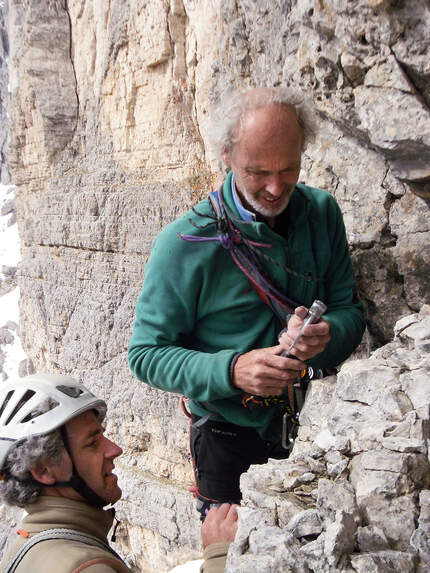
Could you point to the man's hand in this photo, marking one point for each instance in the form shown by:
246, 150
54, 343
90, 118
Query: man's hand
264, 372
314, 339
220, 524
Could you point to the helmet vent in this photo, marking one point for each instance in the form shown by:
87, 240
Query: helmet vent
29, 394
72, 391
6, 401
51, 404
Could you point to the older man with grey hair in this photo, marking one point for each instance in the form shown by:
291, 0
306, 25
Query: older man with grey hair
225, 278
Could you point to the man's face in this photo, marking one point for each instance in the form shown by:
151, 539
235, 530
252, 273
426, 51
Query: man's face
266, 159
93, 455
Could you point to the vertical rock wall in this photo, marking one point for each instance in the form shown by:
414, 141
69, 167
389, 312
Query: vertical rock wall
4, 96
108, 143
8, 280
109, 103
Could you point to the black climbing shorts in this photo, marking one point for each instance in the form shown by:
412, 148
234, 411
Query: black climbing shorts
221, 452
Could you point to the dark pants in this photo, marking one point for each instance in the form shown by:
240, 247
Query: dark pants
221, 452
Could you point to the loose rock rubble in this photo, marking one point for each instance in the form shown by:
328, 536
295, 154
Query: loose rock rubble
355, 494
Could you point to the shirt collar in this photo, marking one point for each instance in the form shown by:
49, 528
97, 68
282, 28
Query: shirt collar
244, 214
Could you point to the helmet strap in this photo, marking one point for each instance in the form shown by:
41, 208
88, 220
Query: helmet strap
76, 481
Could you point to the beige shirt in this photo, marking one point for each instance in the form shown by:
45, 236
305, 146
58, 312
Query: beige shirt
63, 555
215, 556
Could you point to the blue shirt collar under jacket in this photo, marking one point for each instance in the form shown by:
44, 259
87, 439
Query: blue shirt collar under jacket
244, 214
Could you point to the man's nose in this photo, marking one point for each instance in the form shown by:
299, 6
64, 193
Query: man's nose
274, 185
112, 450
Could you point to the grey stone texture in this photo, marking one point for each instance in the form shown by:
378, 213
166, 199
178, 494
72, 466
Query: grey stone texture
4, 93
109, 142
374, 515
420, 540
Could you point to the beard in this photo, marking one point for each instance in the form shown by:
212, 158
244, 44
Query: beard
266, 211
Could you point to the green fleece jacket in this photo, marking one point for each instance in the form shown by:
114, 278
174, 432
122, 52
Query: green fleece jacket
197, 309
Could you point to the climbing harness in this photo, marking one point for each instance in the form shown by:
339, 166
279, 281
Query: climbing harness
290, 405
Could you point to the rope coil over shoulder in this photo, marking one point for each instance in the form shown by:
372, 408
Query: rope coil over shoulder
246, 255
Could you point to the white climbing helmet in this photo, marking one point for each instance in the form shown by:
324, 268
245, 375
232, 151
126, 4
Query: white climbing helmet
19, 398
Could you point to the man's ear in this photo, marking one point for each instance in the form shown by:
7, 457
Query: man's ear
45, 473
226, 158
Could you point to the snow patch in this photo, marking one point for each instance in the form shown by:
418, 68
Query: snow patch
190, 567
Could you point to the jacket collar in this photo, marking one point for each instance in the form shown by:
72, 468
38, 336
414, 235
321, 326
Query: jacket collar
50, 512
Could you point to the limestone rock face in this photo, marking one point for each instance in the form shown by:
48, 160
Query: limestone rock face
371, 513
109, 104
109, 131
4, 95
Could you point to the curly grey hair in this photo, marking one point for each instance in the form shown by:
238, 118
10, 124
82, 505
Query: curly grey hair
25, 455
228, 115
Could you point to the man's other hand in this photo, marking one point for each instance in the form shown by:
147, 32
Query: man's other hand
314, 339
264, 372
220, 525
